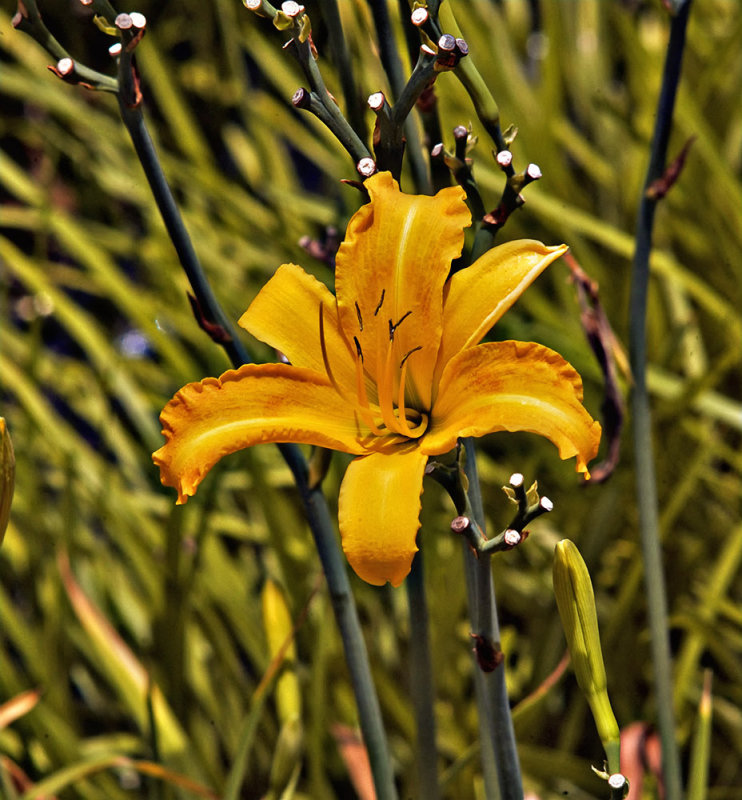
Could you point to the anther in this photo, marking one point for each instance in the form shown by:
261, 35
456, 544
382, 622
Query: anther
360, 318
407, 355
359, 352
400, 320
381, 302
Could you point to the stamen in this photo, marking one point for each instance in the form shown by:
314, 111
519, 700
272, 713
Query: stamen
385, 386
391, 331
400, 400
364, 408
381, 302
323, 345
359, 352
360, 318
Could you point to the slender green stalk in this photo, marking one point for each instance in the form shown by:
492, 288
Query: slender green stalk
315, 505
645, 473
492, 697
392, 64
421, 680
354, 107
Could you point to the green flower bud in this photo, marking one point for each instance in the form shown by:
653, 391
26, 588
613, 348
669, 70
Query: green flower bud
576, 604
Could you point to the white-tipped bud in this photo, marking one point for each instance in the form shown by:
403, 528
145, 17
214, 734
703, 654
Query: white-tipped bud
516, 480
533, 171
617, 781
428, 51
123, 22
419, 16
291, 9
376, 101
504, 158
65, 66
87, 2
460, 524
366, 167
437, 150
115, 50
138, 20
252, 5
546, 504
512, 538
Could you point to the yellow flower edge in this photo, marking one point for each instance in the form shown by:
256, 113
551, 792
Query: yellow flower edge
390, 369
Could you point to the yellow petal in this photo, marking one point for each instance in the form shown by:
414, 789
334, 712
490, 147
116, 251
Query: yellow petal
512, 386
378, 512
285, 315
476, 297
256, 403
395, 259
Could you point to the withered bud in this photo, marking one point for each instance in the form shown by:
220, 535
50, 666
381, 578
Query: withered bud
462, 47
428, 51
376, 101
300, 98
504, 158
460, 524
437, 150
292, 9
460, 132
419, 16
123, 22
516, 480
366, 167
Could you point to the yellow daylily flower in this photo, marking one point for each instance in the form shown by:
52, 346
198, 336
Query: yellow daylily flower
390, 370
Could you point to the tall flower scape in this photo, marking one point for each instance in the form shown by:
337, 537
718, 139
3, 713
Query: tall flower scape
392, 370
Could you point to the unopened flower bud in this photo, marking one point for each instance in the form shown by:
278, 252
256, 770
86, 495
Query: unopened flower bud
576, 603
123, 22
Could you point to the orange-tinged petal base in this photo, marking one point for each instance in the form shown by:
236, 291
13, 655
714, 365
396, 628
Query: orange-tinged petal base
256, 403
513, 386
378, 510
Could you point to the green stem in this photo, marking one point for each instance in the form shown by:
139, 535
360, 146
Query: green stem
315, 504
421, 680
645, 473
392, 64
492, 697
341, 56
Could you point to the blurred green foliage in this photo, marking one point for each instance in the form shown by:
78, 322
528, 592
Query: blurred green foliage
97, 334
